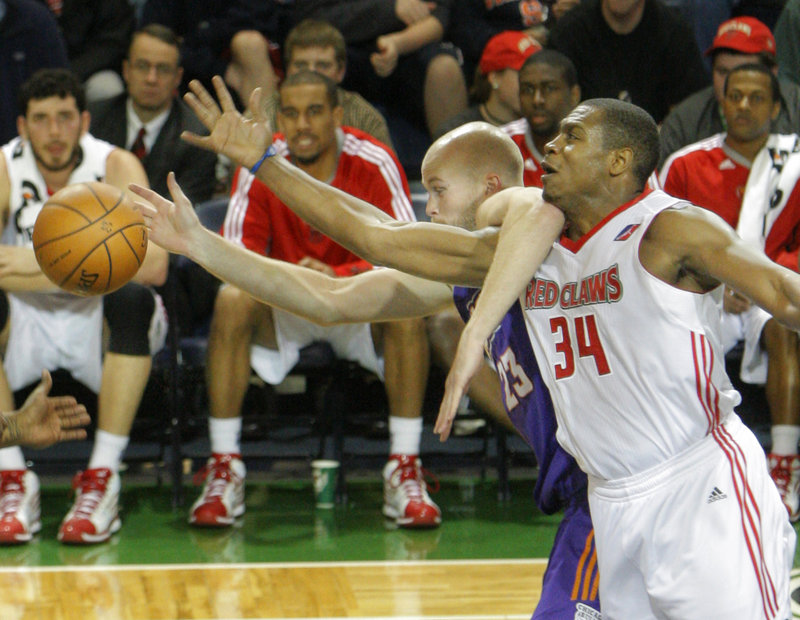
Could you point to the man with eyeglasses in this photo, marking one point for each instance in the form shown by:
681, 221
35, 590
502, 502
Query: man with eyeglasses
149, 118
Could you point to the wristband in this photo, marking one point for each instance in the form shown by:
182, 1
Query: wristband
268, 153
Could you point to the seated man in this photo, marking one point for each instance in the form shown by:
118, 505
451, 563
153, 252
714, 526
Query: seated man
245, 333
317, 46
748, 176
53, 329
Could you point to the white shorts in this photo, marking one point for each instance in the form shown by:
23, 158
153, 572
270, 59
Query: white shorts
748, 327
702, 536
349, 342
63, 331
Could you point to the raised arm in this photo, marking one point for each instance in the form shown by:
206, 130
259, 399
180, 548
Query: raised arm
530, 227
427, 250
376, 295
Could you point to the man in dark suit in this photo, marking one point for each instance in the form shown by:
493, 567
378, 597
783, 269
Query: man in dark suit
149, 118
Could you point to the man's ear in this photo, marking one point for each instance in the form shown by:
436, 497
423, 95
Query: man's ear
621, 160
493, 184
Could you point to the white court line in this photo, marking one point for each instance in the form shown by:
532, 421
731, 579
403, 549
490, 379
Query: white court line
268, 565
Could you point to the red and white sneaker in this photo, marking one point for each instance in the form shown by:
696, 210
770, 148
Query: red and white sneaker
94, 515
405, 494
222, 499
785, 472
19, 506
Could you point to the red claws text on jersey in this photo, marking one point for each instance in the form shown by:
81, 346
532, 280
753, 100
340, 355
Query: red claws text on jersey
602, 287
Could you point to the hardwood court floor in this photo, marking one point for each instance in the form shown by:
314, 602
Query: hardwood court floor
286, 559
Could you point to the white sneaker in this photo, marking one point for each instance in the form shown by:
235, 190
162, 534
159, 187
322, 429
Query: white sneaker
785, 472
405, 494
94, 515
222, 499
19, 506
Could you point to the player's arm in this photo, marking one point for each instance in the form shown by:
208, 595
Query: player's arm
695, 249
377, 295
19, 270
530, 227
123, 168
427, 250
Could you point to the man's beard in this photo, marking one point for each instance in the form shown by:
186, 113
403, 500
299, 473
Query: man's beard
74, 158
310, 159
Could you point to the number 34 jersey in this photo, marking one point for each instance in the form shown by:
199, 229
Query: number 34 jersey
634, 365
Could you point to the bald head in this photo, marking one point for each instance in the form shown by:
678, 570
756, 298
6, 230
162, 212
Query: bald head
479, 149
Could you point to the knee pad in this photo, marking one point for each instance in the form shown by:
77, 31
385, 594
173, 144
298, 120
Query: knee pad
129, 312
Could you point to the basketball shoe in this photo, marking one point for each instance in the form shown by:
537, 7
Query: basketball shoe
222, 499
19, 506
94, 515
405, 494
785, 471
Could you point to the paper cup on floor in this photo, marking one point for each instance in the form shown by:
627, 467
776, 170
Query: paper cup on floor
326, 474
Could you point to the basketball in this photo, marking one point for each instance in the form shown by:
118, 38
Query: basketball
89, 239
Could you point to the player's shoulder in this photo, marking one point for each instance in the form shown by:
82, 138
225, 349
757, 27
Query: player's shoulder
515, 128
697, 152
361, 150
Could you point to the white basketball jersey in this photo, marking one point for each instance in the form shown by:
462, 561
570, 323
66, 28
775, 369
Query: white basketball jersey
634, 365
49, 330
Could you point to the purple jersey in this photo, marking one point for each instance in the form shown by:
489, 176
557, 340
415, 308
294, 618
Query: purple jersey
528, 403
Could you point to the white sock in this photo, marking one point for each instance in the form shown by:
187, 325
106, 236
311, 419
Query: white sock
224, 434
404, 435
107, 450
785, 438
12, 459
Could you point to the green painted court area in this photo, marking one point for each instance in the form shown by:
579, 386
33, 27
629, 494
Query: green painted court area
283, 525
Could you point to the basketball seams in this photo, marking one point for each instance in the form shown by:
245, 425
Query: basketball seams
103, 243
82, 228
102, 204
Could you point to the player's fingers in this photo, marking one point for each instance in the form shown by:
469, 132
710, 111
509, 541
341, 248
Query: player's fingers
205, 99
223, 94
47, 381
176, 191
257, 111
75, 420
72, 434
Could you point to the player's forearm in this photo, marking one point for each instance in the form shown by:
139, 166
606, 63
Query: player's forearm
526, 237
153, 271
27, 283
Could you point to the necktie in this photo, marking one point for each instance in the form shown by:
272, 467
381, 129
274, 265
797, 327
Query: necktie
137, 148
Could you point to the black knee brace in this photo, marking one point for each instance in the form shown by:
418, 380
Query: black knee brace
129, 312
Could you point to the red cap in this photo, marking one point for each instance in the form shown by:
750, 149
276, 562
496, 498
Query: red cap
743, 34
507, 50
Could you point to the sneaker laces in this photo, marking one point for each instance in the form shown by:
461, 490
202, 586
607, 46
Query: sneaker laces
216, 475
12, 491
90, 490
411, 479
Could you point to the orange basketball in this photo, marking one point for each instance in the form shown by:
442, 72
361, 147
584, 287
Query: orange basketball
89, 239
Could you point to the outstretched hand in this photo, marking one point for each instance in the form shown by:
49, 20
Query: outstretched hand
43, 420
243, 138
466, 364
169, 224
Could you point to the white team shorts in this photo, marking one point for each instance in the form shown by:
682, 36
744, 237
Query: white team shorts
704, 535
351, 342
64, 332
747, 327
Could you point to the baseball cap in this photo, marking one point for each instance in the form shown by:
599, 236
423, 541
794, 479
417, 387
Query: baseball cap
743, 34
507, 50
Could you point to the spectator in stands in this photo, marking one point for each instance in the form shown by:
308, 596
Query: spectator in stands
396, 55
29, 40
97, 33
741, 40
548, 90
634, 50
233, 39
149, 118
749, 177
495, 88
245, 333
475, 22
317, 46
704, 17
787, 41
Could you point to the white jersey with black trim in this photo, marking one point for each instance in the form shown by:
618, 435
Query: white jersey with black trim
49, 330
634, 365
